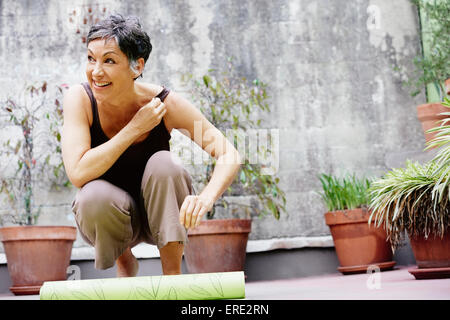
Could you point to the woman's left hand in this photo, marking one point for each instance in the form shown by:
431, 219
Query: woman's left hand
193, 209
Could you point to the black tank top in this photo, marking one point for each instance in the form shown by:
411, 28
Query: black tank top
127, 171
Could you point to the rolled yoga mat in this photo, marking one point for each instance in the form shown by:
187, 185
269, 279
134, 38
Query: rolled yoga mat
200, 286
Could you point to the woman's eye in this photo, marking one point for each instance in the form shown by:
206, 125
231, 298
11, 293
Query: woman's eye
109, 60
90, 59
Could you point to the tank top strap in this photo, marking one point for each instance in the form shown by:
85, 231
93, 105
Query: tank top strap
163, 94
95, 120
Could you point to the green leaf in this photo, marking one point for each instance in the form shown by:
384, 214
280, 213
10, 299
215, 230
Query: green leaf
206, 80
242, 177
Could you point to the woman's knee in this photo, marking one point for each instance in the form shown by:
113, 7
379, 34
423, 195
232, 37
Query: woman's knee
164, 164
95, 197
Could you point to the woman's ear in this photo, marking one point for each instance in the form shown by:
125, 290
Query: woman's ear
140, 64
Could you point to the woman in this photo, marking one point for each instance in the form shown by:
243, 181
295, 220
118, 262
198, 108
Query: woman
115, 147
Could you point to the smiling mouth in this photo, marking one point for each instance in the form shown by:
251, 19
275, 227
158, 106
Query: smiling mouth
101, 84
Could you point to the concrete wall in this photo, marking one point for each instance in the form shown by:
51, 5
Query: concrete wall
337, 102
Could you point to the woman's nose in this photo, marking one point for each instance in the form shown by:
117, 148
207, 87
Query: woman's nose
98, 70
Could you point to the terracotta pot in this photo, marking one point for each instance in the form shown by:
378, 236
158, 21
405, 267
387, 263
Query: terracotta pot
358, 245
217, 246
447, 86
35, 254
432, 256
429, 115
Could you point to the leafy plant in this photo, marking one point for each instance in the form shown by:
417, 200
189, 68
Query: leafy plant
416, 199
403, 200
346, 193
231, 103
33, 155
433, 67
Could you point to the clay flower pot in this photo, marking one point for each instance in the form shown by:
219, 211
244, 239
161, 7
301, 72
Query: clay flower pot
432, 256
358, 245
217, 246
429, 116
36, 254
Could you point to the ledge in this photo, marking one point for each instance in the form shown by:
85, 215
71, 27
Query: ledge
145, 251
289, 243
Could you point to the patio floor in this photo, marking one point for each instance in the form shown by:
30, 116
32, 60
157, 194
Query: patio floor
396, 284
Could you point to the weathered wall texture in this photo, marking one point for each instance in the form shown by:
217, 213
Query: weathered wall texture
336, 99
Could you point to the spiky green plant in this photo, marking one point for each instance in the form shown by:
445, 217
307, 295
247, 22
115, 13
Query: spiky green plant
403, 200
346, 193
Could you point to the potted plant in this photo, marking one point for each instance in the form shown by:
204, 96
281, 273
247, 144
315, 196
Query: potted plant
358, 243
432, 67
415, 200
32, 159
230, 103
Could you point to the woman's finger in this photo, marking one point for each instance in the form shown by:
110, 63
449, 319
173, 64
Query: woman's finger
188, 213
183, 210
161, 110
195, 213
155, 102
202, 212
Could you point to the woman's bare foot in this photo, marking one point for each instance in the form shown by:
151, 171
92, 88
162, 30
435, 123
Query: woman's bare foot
127, 264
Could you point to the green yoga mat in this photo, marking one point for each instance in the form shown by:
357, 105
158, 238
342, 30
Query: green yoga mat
200, 286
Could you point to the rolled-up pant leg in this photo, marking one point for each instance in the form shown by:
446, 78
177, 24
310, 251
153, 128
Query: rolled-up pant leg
165, 185
103, 213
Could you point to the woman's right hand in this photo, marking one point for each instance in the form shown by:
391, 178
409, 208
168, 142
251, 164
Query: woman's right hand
148, 116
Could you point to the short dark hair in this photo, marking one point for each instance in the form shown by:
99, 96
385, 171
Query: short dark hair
127, 31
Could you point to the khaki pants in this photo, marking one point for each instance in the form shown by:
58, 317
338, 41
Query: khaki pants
110, 220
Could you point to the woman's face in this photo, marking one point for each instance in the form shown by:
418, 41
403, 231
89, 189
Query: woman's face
107, 69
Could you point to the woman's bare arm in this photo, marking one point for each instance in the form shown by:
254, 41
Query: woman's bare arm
84, 164
182, 115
